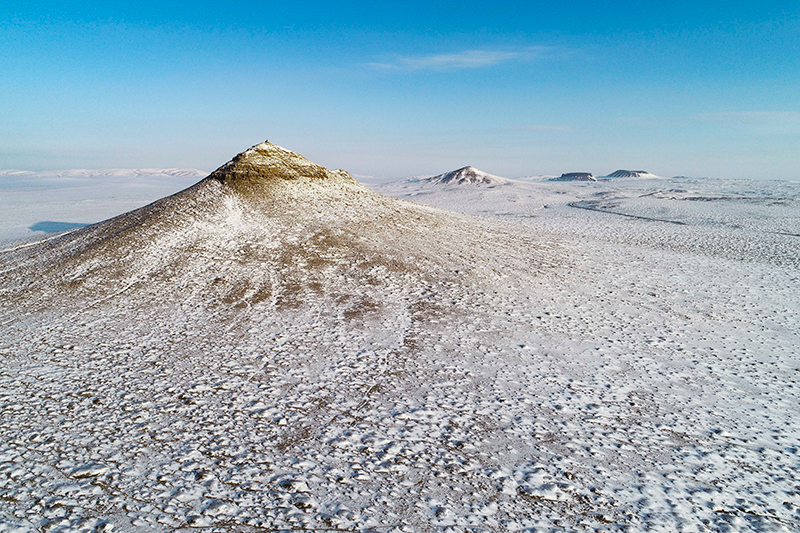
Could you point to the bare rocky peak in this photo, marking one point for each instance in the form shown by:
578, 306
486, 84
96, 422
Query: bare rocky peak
467, 176
267, 162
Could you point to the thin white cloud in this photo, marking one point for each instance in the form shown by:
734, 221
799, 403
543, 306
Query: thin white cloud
751, 117
467, 59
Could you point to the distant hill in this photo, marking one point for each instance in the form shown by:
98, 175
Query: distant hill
630, 174
575, 176
467, 176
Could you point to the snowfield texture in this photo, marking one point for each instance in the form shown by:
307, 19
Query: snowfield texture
37, 203
279, 348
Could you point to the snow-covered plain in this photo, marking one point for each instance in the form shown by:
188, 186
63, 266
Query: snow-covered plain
278, 348
37, 203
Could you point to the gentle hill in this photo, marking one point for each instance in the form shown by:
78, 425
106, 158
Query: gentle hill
630, 174
467, 176
575, 176
267, 227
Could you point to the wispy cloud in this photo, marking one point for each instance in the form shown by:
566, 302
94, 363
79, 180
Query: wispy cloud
751, 117
467, 59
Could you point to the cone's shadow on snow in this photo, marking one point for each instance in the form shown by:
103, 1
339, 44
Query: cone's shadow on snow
49, 226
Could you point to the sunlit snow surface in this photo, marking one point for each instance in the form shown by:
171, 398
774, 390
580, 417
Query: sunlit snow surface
34, 203
582, 357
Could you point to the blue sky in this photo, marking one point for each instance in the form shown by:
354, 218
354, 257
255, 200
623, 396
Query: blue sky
405, 88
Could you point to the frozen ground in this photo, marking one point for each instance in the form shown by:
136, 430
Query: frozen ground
262, 354
38, 203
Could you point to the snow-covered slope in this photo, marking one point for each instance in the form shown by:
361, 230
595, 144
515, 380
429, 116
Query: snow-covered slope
279, 348
466, 181
266, 217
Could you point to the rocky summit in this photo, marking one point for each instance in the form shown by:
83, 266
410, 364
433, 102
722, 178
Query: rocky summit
265, 162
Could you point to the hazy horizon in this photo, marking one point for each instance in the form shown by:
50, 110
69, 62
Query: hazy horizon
402, 90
